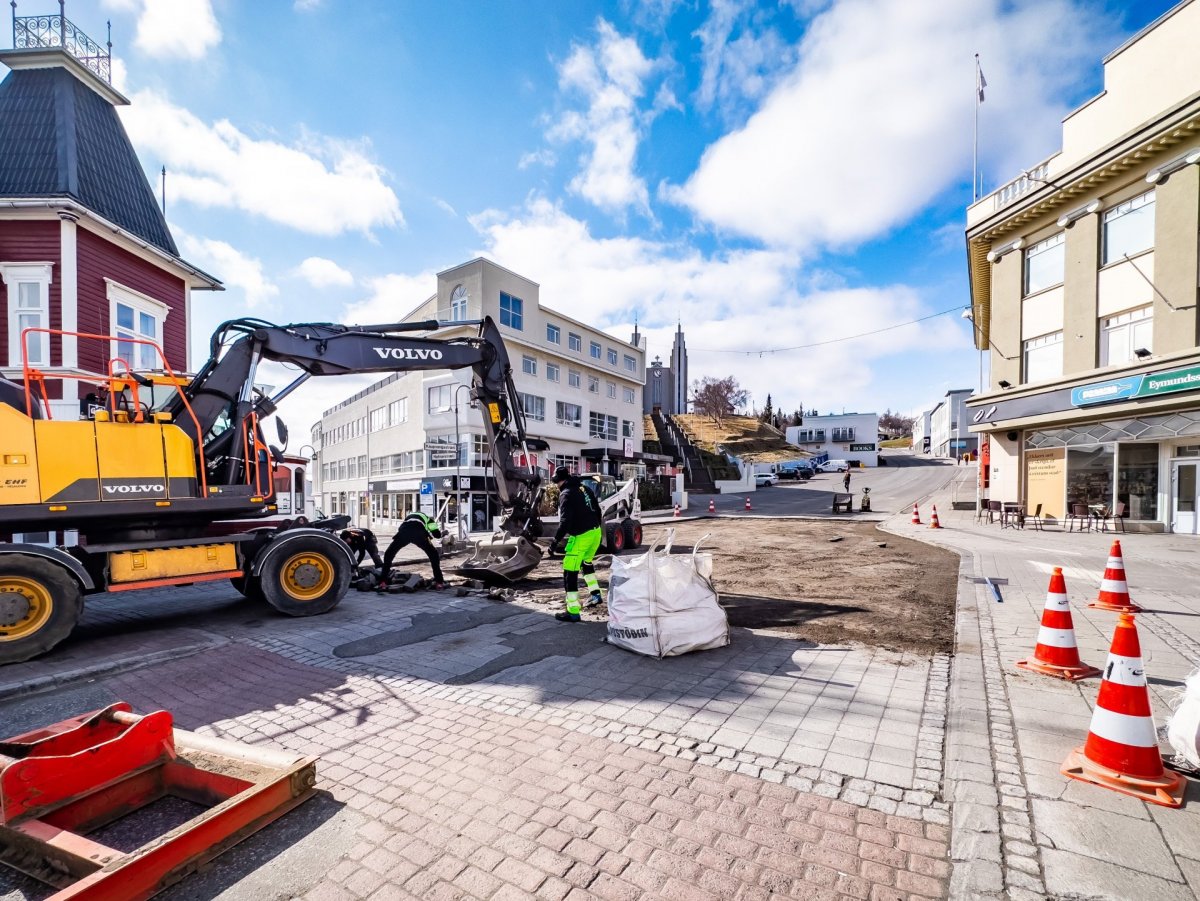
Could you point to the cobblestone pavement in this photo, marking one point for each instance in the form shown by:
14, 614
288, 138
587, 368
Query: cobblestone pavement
1021, 829
451, 798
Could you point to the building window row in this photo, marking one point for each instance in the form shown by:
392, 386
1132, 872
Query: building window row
390, 415
601, 425
397, 464
355, 428
843, 433
340, 470
1126, 230
568, 414
1124, 334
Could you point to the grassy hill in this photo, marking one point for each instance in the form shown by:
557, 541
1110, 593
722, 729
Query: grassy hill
742, 436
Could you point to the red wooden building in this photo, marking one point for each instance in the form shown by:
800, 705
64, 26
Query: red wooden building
84, 246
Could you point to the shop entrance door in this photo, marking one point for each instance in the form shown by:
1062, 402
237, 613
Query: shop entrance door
1185, 496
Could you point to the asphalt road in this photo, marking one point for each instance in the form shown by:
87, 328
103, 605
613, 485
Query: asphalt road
906, 478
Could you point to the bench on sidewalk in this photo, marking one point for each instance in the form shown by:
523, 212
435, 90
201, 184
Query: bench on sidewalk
843, 503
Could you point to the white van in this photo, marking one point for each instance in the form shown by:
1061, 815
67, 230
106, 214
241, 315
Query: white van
834, 466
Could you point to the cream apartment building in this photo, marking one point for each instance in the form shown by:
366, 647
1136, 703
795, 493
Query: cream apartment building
1083, 276
391, 448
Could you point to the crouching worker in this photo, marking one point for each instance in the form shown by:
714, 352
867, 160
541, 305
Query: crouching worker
415, 529
362, 543
579, 521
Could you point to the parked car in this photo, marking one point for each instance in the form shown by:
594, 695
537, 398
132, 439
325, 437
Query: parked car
834, 466
765, 479
796, 471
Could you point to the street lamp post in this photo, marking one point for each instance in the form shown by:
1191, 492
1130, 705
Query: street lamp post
458, 455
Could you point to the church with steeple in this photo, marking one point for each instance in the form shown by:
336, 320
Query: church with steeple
84, 246
667, 386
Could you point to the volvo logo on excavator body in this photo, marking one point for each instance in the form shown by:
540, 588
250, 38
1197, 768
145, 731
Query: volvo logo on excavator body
150, 488
408, 353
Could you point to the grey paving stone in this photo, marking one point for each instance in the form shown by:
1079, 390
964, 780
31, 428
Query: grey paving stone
1071, 875
1132, 843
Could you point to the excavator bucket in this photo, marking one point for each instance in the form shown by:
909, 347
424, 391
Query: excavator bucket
501, 560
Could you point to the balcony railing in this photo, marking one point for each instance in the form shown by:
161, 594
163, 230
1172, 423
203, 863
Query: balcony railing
1028, 181
31, 32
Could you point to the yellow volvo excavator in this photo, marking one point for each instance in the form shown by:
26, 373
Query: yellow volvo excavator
157, 459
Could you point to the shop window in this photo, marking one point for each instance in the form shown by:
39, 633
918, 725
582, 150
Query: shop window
1043, 357
1121, 335
1044, 264
1090, 475
1137, 480
1128, 228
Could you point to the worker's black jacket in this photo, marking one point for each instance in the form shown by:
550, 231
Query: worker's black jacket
578, 509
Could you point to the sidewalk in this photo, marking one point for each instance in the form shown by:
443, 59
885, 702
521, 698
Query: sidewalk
1022, 830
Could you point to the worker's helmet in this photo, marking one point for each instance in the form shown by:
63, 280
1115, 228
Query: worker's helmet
560, 475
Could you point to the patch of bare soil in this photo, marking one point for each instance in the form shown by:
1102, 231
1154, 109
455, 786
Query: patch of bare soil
787, 577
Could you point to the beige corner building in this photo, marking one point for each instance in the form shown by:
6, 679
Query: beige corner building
1084, 275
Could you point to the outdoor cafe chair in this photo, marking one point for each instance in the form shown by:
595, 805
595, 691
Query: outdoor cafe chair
1081, 514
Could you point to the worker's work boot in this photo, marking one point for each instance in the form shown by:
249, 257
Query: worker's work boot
595, 599
565, 617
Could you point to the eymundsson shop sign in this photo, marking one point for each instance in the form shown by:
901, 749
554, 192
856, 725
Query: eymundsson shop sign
1149, 385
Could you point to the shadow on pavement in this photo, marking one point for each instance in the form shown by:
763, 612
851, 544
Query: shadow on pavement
763, 613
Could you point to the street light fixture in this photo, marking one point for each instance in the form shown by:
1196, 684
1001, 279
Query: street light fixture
458, 455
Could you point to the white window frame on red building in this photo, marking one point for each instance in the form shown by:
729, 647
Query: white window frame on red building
139, 303
15, 275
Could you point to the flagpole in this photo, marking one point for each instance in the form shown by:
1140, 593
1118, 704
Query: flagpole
975, 143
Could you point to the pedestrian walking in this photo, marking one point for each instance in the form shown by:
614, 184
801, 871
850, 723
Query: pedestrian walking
417, 528
846, 480
580, 523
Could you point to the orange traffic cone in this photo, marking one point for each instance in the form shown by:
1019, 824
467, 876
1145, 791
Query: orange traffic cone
677, 511
712, 506
1056, 653
933, 522
1114, 590
1121, 751
748, 504
916, 520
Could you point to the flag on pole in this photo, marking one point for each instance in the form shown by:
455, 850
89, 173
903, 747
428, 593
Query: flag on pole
980, 81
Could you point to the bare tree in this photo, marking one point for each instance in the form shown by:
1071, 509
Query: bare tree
718, 398
895, 423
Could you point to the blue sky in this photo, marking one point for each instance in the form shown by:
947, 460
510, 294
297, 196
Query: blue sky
772, 174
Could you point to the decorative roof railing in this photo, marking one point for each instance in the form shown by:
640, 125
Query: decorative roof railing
1023, 184
31, 32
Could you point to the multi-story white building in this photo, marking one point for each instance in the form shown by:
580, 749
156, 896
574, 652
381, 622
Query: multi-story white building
920, 436
390, 448
1084, 295
949, 434
844, 436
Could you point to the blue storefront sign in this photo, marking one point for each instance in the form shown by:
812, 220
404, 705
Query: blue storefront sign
1105, 392
427, 487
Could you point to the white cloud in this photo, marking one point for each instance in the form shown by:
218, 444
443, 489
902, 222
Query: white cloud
306, 5
392, 297
177, 29
750, 300
322, 273
611, 77
875, 120
741, 67
320, 185
231, 266
543, 157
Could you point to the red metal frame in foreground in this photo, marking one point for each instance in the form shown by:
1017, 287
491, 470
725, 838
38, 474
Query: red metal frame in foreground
60, 783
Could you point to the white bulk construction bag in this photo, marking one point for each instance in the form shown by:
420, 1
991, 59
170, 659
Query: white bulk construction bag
1183, 728
663, 604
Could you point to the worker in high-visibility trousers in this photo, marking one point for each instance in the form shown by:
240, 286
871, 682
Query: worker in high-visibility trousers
580, 521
